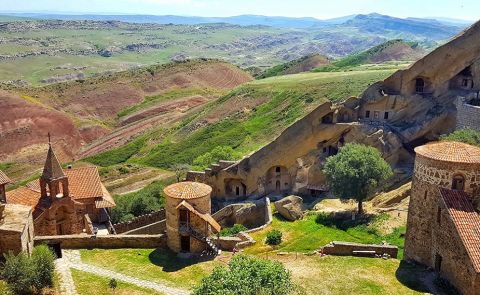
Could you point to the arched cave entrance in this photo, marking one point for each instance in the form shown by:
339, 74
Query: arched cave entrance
235, 188
278, 180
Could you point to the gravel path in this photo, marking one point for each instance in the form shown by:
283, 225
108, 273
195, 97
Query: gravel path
73, 260
67, 286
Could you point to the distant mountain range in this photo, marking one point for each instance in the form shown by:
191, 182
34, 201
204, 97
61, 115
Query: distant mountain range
245, 20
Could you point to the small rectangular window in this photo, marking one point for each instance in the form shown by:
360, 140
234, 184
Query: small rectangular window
376, 114
277, 169
385, 116
367, 114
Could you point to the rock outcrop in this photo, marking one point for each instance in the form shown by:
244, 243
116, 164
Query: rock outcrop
408, 109
291, 207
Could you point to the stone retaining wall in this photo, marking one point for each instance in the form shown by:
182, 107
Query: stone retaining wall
139, 222
346, 249
468, 116
103, 242
156, 228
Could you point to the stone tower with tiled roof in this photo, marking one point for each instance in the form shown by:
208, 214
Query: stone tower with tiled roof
188, 219
443, 227
53, 177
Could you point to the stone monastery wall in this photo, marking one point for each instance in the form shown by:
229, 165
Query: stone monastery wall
468, 116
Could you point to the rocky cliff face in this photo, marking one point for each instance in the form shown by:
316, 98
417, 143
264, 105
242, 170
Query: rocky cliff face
411, 107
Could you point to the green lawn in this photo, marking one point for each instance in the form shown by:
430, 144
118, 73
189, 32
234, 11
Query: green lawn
89, 284
154, 265
307, 235
353, 275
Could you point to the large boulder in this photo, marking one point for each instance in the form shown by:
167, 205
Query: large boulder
291, 207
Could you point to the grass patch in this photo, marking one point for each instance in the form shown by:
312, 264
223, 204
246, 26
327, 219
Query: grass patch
307, 235
160, 265
118, 155
347, 275
150, 101
90, 284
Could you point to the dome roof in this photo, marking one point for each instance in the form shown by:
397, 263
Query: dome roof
450, 151
187, 190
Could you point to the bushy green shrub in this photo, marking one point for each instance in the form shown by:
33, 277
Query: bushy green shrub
247, 275
469, 136
27, 275
274, 237
43, 265
218, 153
232, 231
146, 200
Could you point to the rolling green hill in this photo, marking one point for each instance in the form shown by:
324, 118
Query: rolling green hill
296, 66
391, 51
245, 119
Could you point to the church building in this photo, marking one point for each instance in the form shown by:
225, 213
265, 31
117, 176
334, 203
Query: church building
66, 201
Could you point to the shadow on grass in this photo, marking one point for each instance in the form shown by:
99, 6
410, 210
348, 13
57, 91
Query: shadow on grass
343, 219
169, 261
413, 276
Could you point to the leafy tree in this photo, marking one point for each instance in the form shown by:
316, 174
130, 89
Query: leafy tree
247, 275
355, 172
470, 136
180, 171
218, 153
147, 200
274, 237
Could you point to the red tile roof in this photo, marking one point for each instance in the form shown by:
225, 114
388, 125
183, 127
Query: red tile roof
4, 178
467, 222
450, 151
187, 190
83, 183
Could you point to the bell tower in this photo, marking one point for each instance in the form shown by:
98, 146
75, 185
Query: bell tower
53, 182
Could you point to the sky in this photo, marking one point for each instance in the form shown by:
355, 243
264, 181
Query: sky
322, 9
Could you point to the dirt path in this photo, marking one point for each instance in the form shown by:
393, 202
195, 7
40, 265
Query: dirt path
73, 260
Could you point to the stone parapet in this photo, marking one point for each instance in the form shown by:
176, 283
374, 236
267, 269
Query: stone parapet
140, 222
347, 249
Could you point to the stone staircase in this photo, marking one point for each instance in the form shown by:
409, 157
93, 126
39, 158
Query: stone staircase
188, 230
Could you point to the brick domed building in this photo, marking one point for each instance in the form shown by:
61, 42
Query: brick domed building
443, 227
188, 219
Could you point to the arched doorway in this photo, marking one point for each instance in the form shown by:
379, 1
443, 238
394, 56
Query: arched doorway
278, 187
278, 180
458, 182
62, 221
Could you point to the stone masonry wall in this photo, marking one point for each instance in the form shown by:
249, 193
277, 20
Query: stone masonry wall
468, 116
139, 221
104, 242
456, 265
346, 249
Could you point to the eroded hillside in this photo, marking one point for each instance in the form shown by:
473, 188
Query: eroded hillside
128, 103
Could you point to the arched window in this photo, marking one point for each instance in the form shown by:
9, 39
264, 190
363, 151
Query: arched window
419, 85
458, 182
